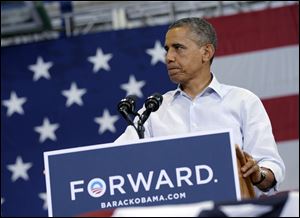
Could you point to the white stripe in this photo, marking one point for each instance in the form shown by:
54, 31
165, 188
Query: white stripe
289, 151
268, 73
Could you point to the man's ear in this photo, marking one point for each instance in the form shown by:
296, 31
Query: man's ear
208, 52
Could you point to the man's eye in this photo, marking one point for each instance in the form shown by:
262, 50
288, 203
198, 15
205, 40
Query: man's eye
178, 46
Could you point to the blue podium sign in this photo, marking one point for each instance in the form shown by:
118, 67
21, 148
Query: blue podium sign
163, 170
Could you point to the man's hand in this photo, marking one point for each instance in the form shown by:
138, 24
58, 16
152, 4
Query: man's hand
261, 177
251, 169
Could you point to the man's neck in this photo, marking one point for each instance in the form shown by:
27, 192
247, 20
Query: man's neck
197, 86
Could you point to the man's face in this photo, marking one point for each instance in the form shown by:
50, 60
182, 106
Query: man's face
184, 57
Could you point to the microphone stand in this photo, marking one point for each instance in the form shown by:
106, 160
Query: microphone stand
140, 129
140, 124
151, 104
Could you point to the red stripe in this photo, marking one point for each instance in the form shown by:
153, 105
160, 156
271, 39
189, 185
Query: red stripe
284, 116
100, 213
257, 30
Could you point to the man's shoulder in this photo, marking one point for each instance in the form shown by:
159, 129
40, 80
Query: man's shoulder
238, 91
170, 92
169, 96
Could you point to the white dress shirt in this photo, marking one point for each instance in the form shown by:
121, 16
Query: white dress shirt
219, 106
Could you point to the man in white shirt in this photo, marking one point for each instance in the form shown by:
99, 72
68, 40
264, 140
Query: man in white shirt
202, 103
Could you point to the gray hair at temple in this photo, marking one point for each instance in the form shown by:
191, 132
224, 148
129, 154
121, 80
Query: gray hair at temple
204, 31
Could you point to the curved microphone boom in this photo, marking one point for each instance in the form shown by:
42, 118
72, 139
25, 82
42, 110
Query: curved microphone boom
126, 107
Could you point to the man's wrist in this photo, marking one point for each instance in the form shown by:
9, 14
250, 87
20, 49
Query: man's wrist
263, 176
269, 178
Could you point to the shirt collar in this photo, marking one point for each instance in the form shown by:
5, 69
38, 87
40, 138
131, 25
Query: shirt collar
214, 86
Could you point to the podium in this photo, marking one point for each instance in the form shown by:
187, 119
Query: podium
158, 171
246, 187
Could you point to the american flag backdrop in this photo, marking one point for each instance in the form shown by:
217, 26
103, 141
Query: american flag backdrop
64, 93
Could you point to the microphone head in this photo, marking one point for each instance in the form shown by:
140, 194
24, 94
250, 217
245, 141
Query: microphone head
127, 104
153, 102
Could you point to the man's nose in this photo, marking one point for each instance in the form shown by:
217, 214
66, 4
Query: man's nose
170, 57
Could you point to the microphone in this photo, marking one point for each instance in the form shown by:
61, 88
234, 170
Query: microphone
152, 104
127, 106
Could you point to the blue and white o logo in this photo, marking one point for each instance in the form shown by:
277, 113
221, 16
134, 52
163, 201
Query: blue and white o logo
96, 187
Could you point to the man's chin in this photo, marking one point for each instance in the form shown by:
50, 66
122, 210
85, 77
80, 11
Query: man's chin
175, 79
